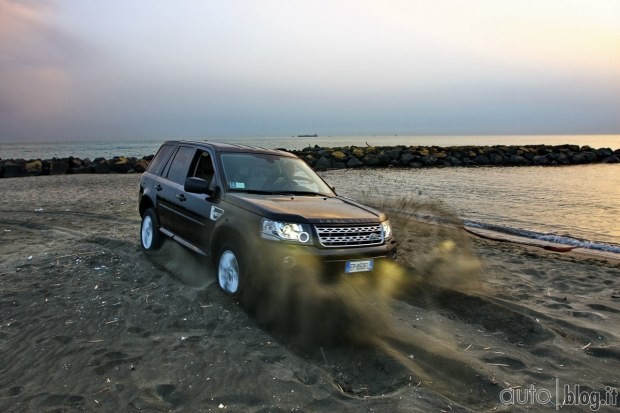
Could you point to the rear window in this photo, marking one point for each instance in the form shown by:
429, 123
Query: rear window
158, 163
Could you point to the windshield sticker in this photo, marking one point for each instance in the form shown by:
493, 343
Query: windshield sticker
216, 213
237, 185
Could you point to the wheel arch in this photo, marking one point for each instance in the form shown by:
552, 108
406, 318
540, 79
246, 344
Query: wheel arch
145, 203
223, 234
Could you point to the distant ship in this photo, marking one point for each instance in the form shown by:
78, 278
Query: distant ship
308, 136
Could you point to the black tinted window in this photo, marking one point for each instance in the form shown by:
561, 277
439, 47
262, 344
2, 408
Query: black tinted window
202, 166
180, 164
159, 161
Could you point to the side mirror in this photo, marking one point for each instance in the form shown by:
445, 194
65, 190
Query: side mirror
198, 186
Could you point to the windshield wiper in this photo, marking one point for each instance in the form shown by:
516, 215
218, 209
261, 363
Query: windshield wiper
311, 193
252, 191
263, 192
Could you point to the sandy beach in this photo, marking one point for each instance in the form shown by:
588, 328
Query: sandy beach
89, 322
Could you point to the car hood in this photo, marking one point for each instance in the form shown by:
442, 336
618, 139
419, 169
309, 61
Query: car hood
310, 209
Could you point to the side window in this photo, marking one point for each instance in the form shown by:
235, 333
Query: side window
202, 167
180, 164
159, 161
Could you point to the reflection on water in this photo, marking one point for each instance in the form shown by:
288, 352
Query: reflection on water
581, 201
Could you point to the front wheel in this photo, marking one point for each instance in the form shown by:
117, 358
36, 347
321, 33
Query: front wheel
149, 231
230, 269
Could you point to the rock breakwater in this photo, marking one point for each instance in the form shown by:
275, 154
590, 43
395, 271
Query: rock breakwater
321, 158
10, 168
435, 156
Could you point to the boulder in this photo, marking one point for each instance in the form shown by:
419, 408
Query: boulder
309, 159
528, 154
421, 152
406, 158
518, 160
481, 160
101, 166
358, 152
323, 163
541, 160
561, 158
141, 165
122, 164
371, 160
429, 160
394, 154
324, 152
59, 166
12, 168
75, 162
353, 162
79, 166
496, 159
584, 157
34, 167
604, 153
339, 156
453, 160
384, 158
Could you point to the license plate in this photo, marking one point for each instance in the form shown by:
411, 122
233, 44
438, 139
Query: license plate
358, 266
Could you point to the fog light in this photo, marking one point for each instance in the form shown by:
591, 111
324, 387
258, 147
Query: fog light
304, 237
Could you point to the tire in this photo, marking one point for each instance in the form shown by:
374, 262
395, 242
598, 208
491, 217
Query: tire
231, 269
150, 237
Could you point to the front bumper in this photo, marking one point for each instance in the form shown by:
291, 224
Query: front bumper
327, 260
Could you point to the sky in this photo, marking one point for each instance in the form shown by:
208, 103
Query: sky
154, 69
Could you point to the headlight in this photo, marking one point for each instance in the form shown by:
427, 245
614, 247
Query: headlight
285, 231
387, 229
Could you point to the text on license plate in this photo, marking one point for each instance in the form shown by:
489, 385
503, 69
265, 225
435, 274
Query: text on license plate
359, 266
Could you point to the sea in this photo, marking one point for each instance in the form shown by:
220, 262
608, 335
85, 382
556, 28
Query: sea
576, 205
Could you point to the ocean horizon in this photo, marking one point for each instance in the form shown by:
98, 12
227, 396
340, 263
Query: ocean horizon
140, 148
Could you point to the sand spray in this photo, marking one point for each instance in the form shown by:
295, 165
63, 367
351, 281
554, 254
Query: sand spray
311, 310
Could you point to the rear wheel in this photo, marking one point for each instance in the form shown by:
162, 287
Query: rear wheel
230, 269
150, 238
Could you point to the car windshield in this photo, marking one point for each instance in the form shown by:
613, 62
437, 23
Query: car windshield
252, 172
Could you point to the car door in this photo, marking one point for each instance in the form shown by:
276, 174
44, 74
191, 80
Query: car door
170, 194
198, 212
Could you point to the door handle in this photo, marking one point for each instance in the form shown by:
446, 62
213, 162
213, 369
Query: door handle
158, 188
181, 197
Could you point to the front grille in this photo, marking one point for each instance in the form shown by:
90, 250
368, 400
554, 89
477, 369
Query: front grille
350, 236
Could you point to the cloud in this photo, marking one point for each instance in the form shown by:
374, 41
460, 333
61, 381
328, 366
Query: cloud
35, 57
152, 69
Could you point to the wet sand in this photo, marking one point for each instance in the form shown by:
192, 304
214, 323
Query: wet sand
90, 322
